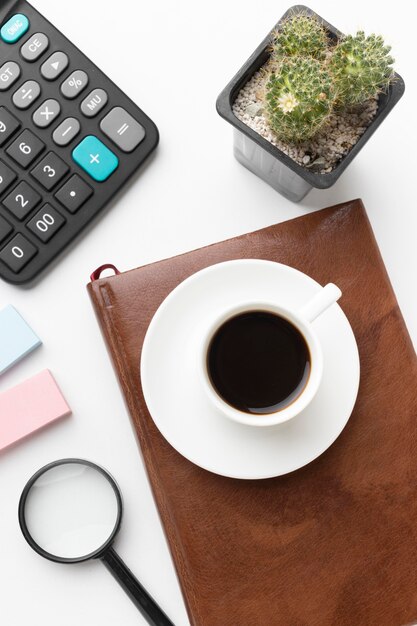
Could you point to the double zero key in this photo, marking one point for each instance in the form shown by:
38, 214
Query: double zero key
46, 223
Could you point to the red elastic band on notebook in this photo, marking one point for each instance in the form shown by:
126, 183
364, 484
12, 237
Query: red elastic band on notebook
97, 273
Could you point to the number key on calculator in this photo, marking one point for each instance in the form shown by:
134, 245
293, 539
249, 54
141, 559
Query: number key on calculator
69, 140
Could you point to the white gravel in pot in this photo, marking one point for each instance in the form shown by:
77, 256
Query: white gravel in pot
320, 154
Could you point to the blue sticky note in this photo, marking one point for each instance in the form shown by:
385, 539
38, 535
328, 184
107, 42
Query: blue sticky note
17, 338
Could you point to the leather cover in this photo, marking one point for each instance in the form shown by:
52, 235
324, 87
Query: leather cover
332, 544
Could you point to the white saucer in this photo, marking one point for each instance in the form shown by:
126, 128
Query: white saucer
179, 406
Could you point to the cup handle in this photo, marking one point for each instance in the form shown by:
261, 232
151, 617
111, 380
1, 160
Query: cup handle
320, 302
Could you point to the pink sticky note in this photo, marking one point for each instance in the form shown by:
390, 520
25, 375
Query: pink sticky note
29, 406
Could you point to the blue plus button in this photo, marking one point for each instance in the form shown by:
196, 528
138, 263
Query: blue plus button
95, 158
14, 28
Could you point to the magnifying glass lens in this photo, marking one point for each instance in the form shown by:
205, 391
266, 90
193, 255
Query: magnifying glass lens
71, 511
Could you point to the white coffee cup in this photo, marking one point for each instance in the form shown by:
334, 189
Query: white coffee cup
303, 320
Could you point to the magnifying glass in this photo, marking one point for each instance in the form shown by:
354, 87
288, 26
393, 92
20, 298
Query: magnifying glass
70, 511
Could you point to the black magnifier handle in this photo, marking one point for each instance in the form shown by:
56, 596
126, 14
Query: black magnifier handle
138, 594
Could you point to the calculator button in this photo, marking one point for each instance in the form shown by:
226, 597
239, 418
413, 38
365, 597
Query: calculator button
74, 84
94, 102
74, 193
8, 125
122, 129
50, 170
46, 223
26, 94
95, 158
7, 176
9, 73
14, 28
34, 47
66, 131
17, 253
22, 200
54, 66
47, 112
25, 148
5, 228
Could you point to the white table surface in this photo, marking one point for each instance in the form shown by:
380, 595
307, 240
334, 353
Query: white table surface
173, 58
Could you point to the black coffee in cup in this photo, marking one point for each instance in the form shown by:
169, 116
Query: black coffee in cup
258, 362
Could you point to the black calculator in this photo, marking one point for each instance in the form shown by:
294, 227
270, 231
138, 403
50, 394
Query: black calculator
69, 139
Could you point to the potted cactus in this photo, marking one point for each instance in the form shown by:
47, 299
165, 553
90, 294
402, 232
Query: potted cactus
307, 100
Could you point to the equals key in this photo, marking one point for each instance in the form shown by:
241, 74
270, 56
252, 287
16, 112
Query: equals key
122, 129
66, 131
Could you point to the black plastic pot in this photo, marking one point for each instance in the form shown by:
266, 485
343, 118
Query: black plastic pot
266, 160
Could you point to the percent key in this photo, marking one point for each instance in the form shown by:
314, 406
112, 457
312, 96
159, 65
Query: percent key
74, 84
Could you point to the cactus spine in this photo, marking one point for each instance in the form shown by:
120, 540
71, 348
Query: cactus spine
309, 77
361, 67
299, 98
300, 35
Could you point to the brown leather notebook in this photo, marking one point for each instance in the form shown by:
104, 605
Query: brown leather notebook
334, 543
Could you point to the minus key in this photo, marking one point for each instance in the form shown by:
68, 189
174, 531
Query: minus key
66, 131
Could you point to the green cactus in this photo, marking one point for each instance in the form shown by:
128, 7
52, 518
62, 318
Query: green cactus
300, 35
299, 98
361, 67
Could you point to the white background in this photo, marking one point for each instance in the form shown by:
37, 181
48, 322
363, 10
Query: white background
173, 58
